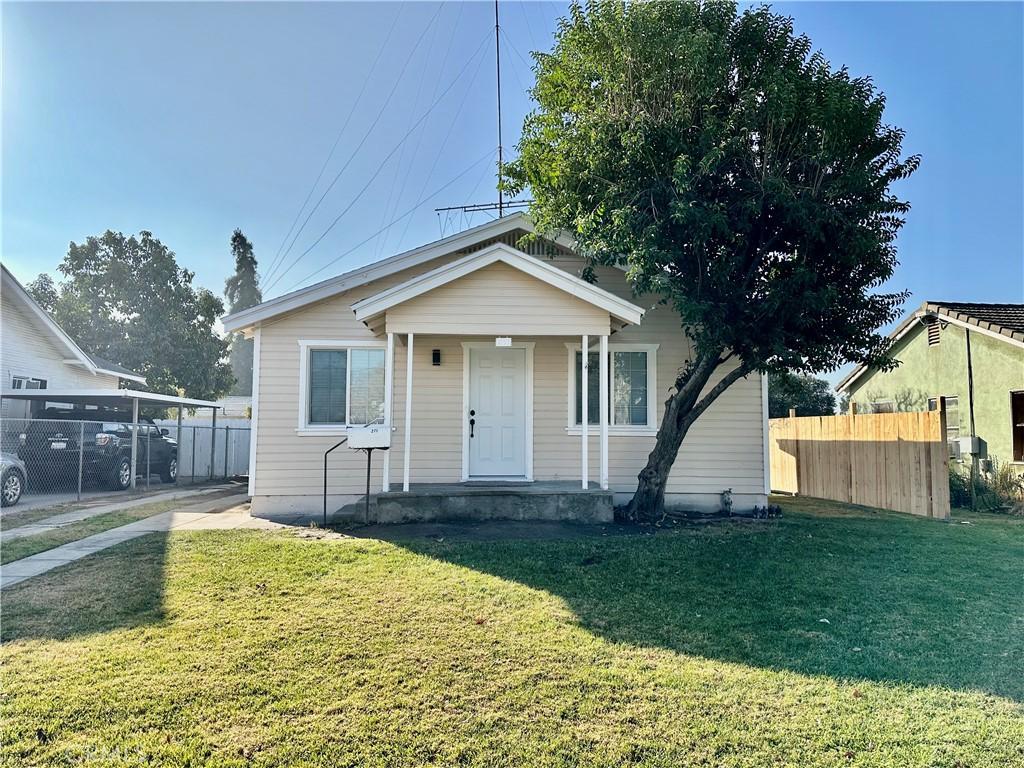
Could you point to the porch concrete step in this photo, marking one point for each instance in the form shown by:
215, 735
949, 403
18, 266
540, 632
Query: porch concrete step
485, 501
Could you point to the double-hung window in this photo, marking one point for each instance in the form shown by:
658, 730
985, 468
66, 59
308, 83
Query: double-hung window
632, 374
341, 385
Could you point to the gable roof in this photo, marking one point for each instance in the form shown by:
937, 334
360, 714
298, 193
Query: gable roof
620, 309
1004, 319
1001, 321
247, 318
12, 289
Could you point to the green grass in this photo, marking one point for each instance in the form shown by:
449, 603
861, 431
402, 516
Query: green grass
16, 549
29, 516
699, 646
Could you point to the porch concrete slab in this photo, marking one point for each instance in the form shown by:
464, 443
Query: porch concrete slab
481, 501
219, 514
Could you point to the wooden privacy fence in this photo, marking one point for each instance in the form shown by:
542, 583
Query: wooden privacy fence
895, 461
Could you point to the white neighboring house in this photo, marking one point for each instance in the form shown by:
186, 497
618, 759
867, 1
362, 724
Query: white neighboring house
468, 351
36, 353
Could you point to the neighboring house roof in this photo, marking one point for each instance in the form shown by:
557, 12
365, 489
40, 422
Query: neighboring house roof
108, 366
247, 318
1001, 321
14, 291
618, 308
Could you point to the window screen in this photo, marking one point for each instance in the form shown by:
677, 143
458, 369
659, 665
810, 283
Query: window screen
327, 382
629, 388
366, 395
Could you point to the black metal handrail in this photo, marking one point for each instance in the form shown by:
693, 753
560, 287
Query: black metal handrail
336, 445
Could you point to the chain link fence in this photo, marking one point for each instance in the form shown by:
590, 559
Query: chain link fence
66, 458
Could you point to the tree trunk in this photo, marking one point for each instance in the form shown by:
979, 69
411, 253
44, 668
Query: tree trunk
681, 411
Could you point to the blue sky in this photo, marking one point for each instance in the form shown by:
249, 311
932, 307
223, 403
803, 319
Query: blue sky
192, 119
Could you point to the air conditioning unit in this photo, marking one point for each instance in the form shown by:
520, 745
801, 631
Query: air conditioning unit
370, 436
972, 446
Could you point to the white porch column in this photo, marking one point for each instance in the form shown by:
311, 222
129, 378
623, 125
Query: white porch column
604, 413
408, 414
389, 400
584, 415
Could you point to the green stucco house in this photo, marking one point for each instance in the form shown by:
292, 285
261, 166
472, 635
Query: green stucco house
944, 348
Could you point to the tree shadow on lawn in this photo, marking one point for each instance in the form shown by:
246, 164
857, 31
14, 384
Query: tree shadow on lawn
893, 600
119, 587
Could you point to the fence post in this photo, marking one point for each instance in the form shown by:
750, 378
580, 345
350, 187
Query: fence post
213, 443
792, 413
192, 465
227, 434
81, 450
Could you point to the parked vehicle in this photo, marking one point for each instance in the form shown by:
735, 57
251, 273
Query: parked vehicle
12, 479
50, 449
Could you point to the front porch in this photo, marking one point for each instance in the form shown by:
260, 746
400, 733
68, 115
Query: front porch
480, 501
498, 304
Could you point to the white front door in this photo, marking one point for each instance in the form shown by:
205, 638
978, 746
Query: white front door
497, 418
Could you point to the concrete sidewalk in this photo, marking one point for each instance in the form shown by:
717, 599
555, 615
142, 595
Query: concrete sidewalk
86, 511
215, 514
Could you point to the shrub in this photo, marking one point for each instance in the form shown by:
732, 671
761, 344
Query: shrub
1000, 489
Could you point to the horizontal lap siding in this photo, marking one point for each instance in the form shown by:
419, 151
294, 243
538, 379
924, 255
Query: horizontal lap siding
497, 300
288, 463
723, 449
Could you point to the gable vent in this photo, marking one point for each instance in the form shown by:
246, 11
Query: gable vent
934, 331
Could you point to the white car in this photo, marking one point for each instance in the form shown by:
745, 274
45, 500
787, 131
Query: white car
12, 479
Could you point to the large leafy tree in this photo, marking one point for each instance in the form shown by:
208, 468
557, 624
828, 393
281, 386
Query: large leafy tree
807, 395
125, 298
242, 291
735, 175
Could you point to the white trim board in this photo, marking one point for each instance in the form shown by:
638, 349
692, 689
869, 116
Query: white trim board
371, 307
254, 415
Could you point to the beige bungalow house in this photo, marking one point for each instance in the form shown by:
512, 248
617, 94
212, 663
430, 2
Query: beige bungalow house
468, 354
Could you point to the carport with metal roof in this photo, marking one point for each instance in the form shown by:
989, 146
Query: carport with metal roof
119, 400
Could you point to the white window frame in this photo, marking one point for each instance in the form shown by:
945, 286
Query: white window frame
305, 347
614, 430
24, 380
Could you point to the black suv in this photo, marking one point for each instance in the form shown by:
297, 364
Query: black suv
49, 448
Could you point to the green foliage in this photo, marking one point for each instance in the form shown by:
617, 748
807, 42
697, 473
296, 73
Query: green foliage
44, 292
730, 169
126, 299
808, 395
242, 291
1000, 489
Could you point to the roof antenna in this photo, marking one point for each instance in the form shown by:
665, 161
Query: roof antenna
497, 62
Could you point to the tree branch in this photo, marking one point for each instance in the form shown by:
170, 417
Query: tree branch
727, 381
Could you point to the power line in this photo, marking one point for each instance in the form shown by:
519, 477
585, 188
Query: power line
444, 143
397, 219
386, 211
334, 146
381, 166
419, 139
380, 113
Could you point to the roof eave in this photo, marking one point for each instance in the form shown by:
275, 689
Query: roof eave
253, 316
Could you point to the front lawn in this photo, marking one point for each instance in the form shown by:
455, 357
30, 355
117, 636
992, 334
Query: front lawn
834, 636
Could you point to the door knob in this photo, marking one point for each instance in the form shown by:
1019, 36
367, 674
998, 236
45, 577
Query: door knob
472, 422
